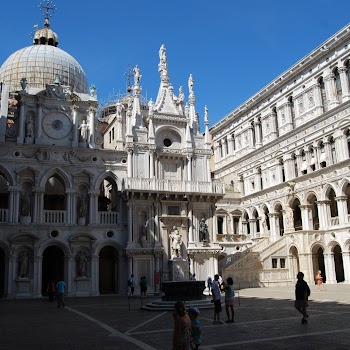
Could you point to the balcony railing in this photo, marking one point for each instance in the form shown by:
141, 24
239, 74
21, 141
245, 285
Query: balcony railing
54, 216
165, 185
334, 221
4, 215
107, 217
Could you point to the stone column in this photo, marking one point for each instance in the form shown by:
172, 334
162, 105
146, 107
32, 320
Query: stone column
190, 224
341, 146
330, 268
344, 83
93, 207
274, 235
305, 261
299, 164
289, 169
74, 112
323, 214
151, 164
308, 161
317, 156
4, 107
216, 151
129, 163
346, 265
130, 223
257, 127
342, 209
251, 137
230, 144
189, 168
224, 148
257, 180
92, 112
328, 152
20, 138
14, 193
331, 91
305, 216
39, 118
252, 227
157, 264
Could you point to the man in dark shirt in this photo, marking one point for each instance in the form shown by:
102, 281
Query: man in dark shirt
302, 292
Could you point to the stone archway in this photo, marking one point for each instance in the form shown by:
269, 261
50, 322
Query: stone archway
295, 264
108, 270
2, 273
318, 262
52, 267
338, 264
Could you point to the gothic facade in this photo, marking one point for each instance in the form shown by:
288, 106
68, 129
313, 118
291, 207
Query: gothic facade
92, 198
284, 157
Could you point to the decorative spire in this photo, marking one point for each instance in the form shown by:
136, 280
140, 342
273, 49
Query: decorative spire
128, 74
163, 66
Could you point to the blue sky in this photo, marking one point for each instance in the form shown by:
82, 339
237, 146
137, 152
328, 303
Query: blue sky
233, 48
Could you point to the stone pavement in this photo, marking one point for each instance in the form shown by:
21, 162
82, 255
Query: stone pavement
265, 319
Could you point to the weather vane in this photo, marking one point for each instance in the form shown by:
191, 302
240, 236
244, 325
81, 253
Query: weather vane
128, 74
46, 5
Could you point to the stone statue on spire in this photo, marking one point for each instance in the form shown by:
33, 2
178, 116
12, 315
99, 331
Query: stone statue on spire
137, 75
162, 66
206, 114
190, 84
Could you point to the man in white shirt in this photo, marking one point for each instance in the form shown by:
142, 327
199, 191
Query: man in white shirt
215, 289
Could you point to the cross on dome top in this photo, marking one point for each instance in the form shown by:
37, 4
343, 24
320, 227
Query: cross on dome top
47, 8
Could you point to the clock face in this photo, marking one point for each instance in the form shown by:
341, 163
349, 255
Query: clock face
57, 125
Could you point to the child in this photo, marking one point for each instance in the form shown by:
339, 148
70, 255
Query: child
229, 300
319, 280
196, 327
302, 293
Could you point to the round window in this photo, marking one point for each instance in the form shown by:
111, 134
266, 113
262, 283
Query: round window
54, 234
110, 234
167, 142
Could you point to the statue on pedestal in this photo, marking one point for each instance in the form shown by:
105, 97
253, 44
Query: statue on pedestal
23, 260
203, 231
82, 259
176, 241
83, 131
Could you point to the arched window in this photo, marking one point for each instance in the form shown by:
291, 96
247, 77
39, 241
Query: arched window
290, 100
338, 84
282, 169
312, 159
348, 72
303, 163
274, 113
348, 141
333, 151
323, 95
322, 158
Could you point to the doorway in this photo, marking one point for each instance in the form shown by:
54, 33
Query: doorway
52, 267
108, 270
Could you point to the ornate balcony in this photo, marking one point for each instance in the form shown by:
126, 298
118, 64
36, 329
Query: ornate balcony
165, 185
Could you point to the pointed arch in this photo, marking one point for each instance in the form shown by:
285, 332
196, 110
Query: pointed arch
7, 175
62, 175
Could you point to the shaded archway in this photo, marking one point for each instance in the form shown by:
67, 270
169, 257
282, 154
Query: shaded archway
318, 261
338, 264
108, 270
2, 273
313, 215
279, 221
295, 265
52, 266
298, 225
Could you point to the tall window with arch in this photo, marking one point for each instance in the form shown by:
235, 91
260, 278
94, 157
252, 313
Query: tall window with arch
333, 150
322, 158
323, 94
338, 84
291, 103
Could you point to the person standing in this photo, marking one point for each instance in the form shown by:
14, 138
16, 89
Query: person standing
215, 289
60, 286
51, 290
229, 300
302, 292
319, 280
182, 336
143, 287
131, 284
193, 312
209, 283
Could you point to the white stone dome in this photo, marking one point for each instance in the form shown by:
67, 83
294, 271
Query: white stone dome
40, 64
